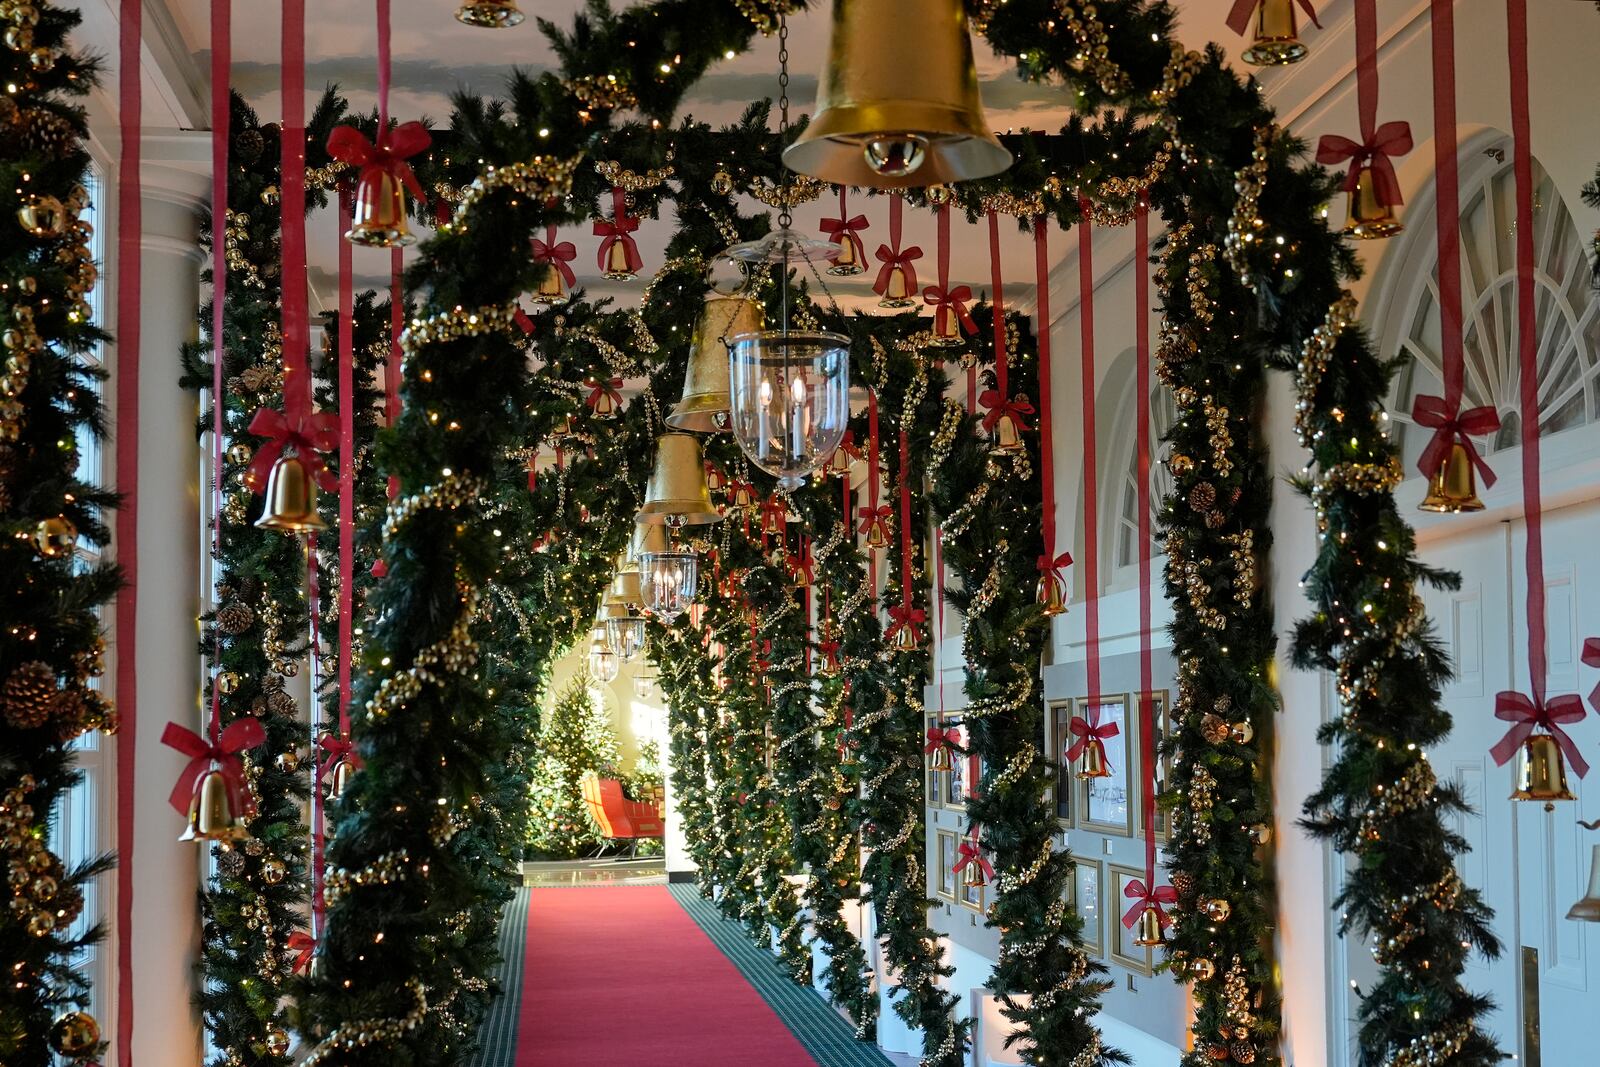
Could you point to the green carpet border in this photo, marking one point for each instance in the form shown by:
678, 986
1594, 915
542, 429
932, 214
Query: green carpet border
813, 1021
497, 1035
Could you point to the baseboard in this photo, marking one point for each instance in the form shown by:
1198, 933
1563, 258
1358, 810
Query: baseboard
680, 877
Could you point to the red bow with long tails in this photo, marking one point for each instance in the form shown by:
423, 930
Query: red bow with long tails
1375, 149
841, 230
1019, 409
349, 145
557, 255
1083, 732
969, 851
1054, 567
1239, 15
304, 946
240, 734
333, 747
830, 653
875, 516
802, 568
773, 515
1430, 411
309, 435
1591, 658
893, 259
1524, 716
947, 737
906, 617
1145, 899
948, 301
619, 227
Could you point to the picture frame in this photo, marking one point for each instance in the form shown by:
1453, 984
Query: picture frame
1161, 716
1086, 893
1107, 805
1123, 952
954, 795
1064, 792
945, 843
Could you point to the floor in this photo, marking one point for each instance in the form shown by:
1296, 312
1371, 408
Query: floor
594, 872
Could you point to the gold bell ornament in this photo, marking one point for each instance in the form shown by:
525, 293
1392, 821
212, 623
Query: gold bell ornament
974, 868
1454, 486
1049, 594
677, 495
211, 814
1368, 218
647, 537
940, 760
1095, 764
846, 454
291, 497
1276, 40
556, 257
1006, 437
338, 777
898, 102
1588, 908
75, 1034
624, 588
1541, 772
493, 14
1149, 932
379, 217
705, 403
378, 214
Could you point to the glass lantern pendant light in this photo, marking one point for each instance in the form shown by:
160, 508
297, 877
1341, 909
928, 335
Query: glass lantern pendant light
668, 582
603, 662
624, 631
898, 104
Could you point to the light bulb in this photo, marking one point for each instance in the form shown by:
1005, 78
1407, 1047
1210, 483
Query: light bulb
765, 392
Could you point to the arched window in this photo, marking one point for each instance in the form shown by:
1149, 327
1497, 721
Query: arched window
1567, 310
1119, 477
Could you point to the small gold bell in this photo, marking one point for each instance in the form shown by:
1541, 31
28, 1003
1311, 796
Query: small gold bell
1149, 931
877, 536
552, 287
379, 217
1094, 760
1049, 596
972, 875
1454, 486
617, 268
1588, 909
897, 293
1277, 39
291, 497
905, 639
846, 263
494, 14
839, 463
1368, 219
743, 496
1007, 436
949, 335
211, 814
940, 760
1541, 772
339, 776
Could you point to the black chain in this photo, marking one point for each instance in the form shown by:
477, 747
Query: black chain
784, 218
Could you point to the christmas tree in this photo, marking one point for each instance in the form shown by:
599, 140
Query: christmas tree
577, 739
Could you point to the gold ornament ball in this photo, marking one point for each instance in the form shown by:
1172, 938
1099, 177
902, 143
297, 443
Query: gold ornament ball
23, 14
273, 871
240, 454
1243, 733
1203, 970
269, 195
1218, 910
75, 1034
40, 923
722, 183
277, 1041
288, 762
940, 195
42, 216
1261, 833
228, 682
42, 60
19, 38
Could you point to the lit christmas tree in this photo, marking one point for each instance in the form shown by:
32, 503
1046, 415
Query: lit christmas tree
577, 739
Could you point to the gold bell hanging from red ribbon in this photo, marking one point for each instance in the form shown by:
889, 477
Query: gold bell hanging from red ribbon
1454, 486
211, 814
1095, 764
556, 257
1049, 596
1275, 40
492, 14
379, 216
1368, 218
1541, 772
940, 760
1149, 932
291, 498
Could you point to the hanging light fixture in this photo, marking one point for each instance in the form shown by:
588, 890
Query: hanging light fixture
604, 663
647, 537
668, 582
644, 685
624, 631
704, 407
898, 104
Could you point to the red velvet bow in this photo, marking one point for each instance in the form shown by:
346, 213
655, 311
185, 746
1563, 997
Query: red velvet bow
619, 227
773, 515
763, 650
970, 851
333, 747
949, 737
841, 230
1145, 899
1517, 709
1430, 411
1375, 148
557, 255
304, 946
603, 389
1591, 658
893, 258
240, 734
906, 617
945, 301
1054, 567
802, 568
349, 145
830, 654
875, 516
309, 435
1083, 732
1239, 16
1019, 409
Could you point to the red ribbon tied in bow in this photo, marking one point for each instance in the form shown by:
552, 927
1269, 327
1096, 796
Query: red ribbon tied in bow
946, 301
349, 145
310, 436
906, 617
841, 230
875, 517
1430, 411
605, 394
618, 228
773, 515
1525, 717
1019, 409
240, 734
969, 851
1591, 658
303, 946
1239, 15
830, 654
1083, 732
558, 255
893, 259
948, 737
1375, 149
1145, 899
1054, 567
802, 568
333, 748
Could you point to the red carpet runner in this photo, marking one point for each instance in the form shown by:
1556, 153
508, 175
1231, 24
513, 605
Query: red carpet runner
620, 976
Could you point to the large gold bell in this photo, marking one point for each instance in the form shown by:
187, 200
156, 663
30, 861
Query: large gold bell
898, 104
1149, 932
647, 537
624, 589
1049, 596
495, 14
940, 760
1277, 39
291, 497
705, 403
905, 639
898, 292
677, 494
1454, 486
1588, 908
211, 814
1368, 219
339, 776
379, 217
1007, 436
1094, 764
1541, 772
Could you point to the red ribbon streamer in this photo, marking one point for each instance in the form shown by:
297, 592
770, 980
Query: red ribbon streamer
240, 734
1591, 658
948, 301
1146, 899
1527, 715
1041, 274
618, 228
388, 155
846, 227
1239, 14
908, 617
310, 435
872, 459
558, 255
1378, 143
1082, 729
1091, 489
893, 257
347, 464
292, 201
1447, 202
1435, 413
397, 308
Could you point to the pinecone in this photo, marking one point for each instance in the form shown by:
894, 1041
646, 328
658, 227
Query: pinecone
1215, 520
1214, 728
272, 683
99, 713
27, 695
45, 133
68, 709
281, 703
256, 377
248, 145
1203, 497
235, 618
1183, 882
231, 863
1243, 1052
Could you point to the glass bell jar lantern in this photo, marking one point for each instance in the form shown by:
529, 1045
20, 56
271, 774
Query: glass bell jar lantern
624, 632
604, 663
668, 582
790, 399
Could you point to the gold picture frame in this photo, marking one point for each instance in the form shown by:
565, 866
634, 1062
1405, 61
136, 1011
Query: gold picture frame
1086, 894
1064, 792
1107, 805
1123, 951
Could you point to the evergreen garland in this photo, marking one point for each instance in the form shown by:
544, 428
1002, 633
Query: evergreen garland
51, 648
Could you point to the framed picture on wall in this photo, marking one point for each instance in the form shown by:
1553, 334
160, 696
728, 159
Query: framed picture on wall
1107, 804
970, 896
1124, 952
955, 780
1087, 894
1161, 715
1062, 792
944, 873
